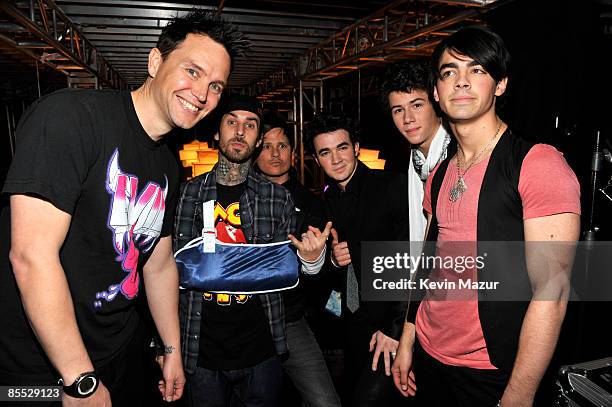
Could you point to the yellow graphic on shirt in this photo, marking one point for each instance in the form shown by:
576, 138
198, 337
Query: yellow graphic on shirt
230, 215
226, 299
227, 224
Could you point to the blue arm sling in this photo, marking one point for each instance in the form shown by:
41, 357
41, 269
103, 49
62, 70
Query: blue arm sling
237, 268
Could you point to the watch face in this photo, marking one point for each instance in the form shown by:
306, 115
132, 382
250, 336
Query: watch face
87, 385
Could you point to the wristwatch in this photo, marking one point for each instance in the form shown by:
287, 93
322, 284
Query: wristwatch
84, 386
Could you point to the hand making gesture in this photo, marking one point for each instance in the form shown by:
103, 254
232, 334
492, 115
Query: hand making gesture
312, 243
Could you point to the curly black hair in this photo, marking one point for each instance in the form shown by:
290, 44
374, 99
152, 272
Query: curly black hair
327, 123
406, 76
203, 22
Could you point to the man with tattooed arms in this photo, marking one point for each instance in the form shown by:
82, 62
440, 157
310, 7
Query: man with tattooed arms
232, 343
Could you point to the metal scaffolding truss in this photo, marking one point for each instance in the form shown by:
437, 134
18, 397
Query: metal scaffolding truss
402, 29
125, 30
307, 101
106, 43
41, 30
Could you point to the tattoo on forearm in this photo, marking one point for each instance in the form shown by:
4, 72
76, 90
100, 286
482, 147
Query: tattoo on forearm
168, 349
229, 173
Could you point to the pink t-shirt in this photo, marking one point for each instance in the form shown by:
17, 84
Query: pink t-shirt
450, 331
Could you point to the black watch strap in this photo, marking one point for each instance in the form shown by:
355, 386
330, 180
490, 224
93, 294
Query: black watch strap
84, 386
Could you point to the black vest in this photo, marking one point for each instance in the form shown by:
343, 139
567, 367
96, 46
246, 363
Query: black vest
500, 218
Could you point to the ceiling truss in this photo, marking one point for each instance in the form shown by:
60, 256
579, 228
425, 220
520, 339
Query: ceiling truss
292, 40
41, 30
403, 29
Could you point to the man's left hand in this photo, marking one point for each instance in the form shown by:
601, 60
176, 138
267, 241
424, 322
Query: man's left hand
381, 343
172, 383
312, 243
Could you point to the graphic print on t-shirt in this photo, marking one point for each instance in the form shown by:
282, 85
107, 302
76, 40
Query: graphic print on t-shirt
136, 221
226, 299
227, 224
234, 330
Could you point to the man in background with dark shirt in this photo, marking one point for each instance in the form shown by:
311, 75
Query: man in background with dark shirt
364, 205
305, 364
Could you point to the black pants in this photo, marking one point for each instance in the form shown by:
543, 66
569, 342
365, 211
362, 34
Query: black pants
123, 376
446, 386
364, 387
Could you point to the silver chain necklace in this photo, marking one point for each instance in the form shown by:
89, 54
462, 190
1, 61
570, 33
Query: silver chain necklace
460, 186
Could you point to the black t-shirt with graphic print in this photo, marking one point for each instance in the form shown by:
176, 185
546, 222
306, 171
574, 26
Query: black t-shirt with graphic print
234, 331
86, 153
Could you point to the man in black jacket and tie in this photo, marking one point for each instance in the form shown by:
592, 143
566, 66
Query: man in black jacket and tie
364, 205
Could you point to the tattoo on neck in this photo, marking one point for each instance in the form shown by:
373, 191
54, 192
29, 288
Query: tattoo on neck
229, 173
168, 349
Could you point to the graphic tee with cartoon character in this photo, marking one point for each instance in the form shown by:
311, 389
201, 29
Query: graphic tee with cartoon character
234, 332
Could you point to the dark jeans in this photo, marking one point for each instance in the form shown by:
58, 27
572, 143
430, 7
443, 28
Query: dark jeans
306, 367
444, 385
364, 387
257, 386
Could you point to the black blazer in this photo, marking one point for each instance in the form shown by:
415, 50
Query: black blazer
373, 207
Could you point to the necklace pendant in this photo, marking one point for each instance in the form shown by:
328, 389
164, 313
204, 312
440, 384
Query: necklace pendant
458, 190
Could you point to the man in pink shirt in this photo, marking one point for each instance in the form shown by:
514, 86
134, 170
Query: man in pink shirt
477, 351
